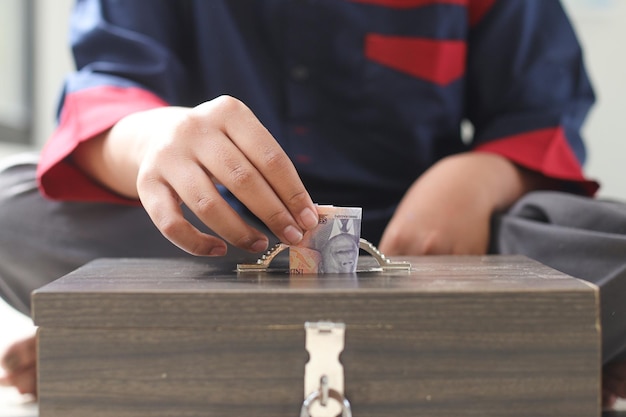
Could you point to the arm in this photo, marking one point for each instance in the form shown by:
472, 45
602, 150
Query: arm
175, 155
527, 95
528, 92
129, 58
128, 132
448, 210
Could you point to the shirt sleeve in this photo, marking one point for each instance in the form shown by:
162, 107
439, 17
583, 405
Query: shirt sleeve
130, 57
528, 91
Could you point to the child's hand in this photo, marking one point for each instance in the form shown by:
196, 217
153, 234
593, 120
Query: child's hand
448, 209
175, 155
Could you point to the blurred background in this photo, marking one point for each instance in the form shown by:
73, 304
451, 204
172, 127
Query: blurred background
34, 58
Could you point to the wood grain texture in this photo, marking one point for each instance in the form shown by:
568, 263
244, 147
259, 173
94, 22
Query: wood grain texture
462, 336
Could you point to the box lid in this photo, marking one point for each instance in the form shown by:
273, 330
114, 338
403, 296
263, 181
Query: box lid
186, 293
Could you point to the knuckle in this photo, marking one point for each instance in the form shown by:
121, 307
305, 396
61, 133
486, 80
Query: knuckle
278, 218
243, 241
432, 244
240, 176
227, 104
190, 123
197, 247
275, 160
398, 244
206, 204
298, 198
170, 226
148, 177
145, 179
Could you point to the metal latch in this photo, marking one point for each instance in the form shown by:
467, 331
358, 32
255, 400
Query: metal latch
323, 373
384, 264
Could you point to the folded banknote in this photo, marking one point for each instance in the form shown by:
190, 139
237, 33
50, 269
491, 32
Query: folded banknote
333, 246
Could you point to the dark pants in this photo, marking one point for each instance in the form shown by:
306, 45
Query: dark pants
42, 240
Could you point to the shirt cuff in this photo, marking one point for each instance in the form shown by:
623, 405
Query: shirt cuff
86, 114
545, 151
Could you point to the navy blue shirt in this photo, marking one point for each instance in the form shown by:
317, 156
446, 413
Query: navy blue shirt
363, 95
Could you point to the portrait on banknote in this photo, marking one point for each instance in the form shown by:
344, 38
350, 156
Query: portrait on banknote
332, 247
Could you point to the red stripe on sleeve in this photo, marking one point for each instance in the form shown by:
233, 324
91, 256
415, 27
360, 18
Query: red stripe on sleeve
478, 9
406, 4
86, 114
438, 61
545, 151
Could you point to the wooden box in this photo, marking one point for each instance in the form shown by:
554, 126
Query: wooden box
456, 336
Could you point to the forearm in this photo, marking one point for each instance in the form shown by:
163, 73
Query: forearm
448, 209
113, 157
497, 180
170, 156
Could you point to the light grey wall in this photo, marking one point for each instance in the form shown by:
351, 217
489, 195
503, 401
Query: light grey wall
601, 30
13, 106
52, 62
599, 24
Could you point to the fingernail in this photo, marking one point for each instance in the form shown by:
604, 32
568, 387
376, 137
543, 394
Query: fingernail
218, 251
259, 246
292, 235
308, 218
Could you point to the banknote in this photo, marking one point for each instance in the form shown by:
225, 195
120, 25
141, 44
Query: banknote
333, 246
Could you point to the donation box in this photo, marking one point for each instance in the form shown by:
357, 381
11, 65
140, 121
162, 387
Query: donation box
490, 336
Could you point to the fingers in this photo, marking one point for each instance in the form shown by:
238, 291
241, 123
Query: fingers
162, 205
406, 240
221, 142
254, 190
442, 212
20, 364
246, 159
423, 226
199, 193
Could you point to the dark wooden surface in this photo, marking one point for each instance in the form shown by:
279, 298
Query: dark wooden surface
187, 293
462, 336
